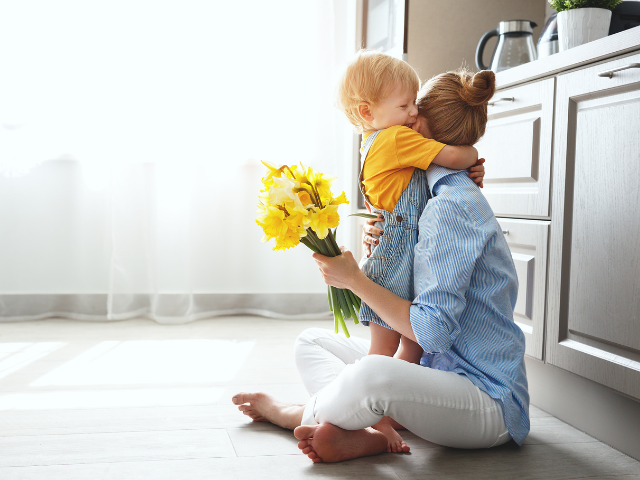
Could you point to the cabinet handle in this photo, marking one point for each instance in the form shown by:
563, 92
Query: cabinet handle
506, 99
609, 73
505, 232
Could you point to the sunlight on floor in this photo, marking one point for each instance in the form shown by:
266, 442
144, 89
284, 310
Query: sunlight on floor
111, 398
15, 356
118, 373
152, 362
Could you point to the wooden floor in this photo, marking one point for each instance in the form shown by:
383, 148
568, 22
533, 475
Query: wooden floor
136, 399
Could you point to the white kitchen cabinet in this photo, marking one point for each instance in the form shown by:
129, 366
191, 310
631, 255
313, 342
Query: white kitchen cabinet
593, 321
517, 147
528, 241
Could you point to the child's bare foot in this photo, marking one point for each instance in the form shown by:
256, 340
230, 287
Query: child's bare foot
264, 408
328, 443
395, 443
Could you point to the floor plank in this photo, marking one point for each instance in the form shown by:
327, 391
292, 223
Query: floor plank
529, 462
291, 467
21, 451
136, 399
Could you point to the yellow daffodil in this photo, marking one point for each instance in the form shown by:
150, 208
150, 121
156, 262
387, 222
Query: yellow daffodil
272, 171
290, 238
272, 223
298, 217
303, 175
296, 206
342, 198
305, 198
322, 183
324, 219
263, 202
282, 190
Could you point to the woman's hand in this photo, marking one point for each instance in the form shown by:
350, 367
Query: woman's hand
370, 232
341, 271
477, 172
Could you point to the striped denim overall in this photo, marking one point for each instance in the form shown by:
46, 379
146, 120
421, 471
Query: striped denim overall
391, 261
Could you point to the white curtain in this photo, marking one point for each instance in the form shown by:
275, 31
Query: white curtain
131, 134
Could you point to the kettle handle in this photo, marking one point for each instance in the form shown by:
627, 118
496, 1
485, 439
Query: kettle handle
480, 50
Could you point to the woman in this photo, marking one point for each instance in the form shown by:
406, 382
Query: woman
470, 390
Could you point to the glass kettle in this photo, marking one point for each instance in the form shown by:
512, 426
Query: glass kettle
515, 45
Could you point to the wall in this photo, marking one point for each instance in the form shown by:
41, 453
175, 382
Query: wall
443, 34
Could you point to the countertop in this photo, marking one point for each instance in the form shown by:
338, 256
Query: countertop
611, 46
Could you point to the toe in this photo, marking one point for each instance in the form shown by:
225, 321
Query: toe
305, 431
240, 398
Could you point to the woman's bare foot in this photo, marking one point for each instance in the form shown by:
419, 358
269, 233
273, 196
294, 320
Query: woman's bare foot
264, 408
328, 443
395, 442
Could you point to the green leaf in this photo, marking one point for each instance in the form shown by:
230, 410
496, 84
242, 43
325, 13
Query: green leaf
363, 215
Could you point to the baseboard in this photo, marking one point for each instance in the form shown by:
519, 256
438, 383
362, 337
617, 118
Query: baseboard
163, 308
595, 409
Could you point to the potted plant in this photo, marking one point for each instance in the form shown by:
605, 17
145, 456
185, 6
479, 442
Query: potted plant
582, 21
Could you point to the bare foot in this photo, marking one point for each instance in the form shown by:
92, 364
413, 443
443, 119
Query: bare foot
264, 408
328, 443
395, 442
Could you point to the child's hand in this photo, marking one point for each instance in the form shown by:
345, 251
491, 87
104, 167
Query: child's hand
477, 172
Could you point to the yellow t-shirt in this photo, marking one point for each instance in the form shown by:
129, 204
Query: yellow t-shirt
388, 168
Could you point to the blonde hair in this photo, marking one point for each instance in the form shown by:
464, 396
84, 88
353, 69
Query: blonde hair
369, 78
455, 105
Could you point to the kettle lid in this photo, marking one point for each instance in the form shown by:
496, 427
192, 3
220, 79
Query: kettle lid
513, 26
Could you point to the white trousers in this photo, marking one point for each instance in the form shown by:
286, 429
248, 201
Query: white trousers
353, 390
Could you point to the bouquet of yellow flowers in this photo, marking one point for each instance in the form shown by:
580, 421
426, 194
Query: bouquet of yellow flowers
297, 206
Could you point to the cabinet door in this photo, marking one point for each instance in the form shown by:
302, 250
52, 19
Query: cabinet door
593, 314
527, 240
517, 147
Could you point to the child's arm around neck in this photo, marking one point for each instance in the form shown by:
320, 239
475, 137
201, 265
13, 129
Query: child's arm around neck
457, 157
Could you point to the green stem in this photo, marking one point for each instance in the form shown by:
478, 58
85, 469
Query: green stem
319, 244
344, 305
305, 241
317, 195
344, 308
344, 327
329, 297
353, 313
322, 245
354, 305
334, 244
337, 314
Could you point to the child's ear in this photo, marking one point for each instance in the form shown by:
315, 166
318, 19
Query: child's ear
364, 110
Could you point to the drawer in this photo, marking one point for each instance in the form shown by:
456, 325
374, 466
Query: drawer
517, 149
528, 240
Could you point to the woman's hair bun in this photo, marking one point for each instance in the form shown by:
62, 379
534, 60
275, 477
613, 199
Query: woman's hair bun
479, 88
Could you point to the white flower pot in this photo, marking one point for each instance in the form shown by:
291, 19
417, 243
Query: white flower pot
582, 25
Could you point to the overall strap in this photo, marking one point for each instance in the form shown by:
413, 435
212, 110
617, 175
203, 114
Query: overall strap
365, 151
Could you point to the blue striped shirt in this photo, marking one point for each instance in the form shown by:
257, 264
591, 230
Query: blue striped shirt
466, 287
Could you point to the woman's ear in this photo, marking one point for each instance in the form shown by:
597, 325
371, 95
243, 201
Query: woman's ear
364, 110
422, 127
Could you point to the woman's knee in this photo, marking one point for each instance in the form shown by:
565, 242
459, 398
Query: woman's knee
307, 339
373, 373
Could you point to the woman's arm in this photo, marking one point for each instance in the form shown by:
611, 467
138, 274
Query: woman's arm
343, 272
